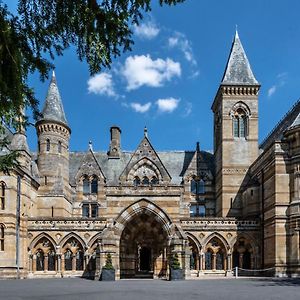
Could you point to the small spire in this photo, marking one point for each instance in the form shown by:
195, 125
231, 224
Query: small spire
90, 145
198, 147
145, 132
236, 32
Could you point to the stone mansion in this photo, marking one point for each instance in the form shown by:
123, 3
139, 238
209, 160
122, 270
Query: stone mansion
61, 212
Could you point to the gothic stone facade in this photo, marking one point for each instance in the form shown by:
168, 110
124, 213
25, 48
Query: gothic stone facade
62, 212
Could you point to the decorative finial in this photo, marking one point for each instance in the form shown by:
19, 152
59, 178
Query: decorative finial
90, 145
53, 79
145, 132
236, 32
198, 147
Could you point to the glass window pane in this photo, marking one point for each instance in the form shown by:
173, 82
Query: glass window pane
242, 127
94, 210
136, 181
86, 186
193, 186
94, 186
40, 260
236, 127
68, 260
145, 180
202, 210
193, 210
219, 261
85, 210
208, 260
51, 261
201, 187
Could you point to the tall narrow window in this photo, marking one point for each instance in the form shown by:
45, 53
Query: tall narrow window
59, 147
145, 180
240, 124
79, 260
2, 195
94, 185
51, 260
48, 145
85, 210
193, 186
1, 237
94, 210
68, 260
197, 186
86, 185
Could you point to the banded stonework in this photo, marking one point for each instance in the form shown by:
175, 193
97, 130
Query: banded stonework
62, 212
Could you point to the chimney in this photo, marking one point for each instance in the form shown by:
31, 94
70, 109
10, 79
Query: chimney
115, 142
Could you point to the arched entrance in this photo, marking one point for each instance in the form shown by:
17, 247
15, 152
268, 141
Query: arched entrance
143, 247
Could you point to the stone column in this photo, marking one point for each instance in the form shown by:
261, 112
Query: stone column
34, 263
214, 262
73, 262
30, 263
45, 262
229, 262
58, 261
62, 263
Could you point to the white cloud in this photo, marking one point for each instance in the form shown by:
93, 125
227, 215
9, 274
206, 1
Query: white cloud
187, 109
141, 70
272, 90
180, 41
148, 30
167, 105
102, 84
140, 108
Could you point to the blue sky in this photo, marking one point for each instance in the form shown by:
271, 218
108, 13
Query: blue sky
169, 80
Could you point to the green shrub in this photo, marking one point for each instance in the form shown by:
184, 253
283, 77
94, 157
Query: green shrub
175, 264
108, 263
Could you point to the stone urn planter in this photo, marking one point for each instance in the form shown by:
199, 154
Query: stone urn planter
176, 273
108, 271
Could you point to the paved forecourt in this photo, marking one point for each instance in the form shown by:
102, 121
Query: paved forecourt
76, 288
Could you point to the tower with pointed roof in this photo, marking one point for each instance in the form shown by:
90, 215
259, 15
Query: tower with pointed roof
53, 145
235, 109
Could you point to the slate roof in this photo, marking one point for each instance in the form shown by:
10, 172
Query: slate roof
238, 70
176, 162
290, 120
53, 109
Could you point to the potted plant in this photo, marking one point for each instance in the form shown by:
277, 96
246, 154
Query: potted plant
176, 273
108, 270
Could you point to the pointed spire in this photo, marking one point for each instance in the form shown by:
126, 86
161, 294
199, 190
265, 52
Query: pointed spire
238, 70
198, 147
53, 109
90, 145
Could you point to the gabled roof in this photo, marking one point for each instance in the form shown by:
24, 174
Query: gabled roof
289, 121
145, 150
53, 108
238, 70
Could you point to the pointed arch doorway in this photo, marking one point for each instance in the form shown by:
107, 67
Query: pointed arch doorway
144, 246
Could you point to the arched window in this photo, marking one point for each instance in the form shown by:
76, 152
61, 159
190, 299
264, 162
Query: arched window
48, 145
154, 180
68, 260
145, 180
136, 181
239, 124
193, 186
51, 260
1, 237
40, 266
86, 185
59, 147
2, 195
94, 185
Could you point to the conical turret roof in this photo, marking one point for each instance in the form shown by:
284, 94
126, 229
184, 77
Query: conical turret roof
238, 70
53, 109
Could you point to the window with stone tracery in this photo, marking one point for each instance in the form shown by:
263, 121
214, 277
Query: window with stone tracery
90, 186
239, 123
197, 186
2, 195
145, 175
40, 259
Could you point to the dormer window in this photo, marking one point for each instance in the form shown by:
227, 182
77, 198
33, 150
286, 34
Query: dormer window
90, 186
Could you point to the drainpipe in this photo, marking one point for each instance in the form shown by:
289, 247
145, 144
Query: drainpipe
18, 224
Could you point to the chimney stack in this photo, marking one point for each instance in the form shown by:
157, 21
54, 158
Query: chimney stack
115, 142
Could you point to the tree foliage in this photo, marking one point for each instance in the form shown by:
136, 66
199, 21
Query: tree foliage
99, 30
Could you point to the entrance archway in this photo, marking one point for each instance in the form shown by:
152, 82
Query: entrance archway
143, 247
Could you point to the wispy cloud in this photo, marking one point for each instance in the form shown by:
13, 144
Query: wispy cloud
187, 109
102, 84
148, 30
167, 105
180, 41
281, 81
140, 108
142, 70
